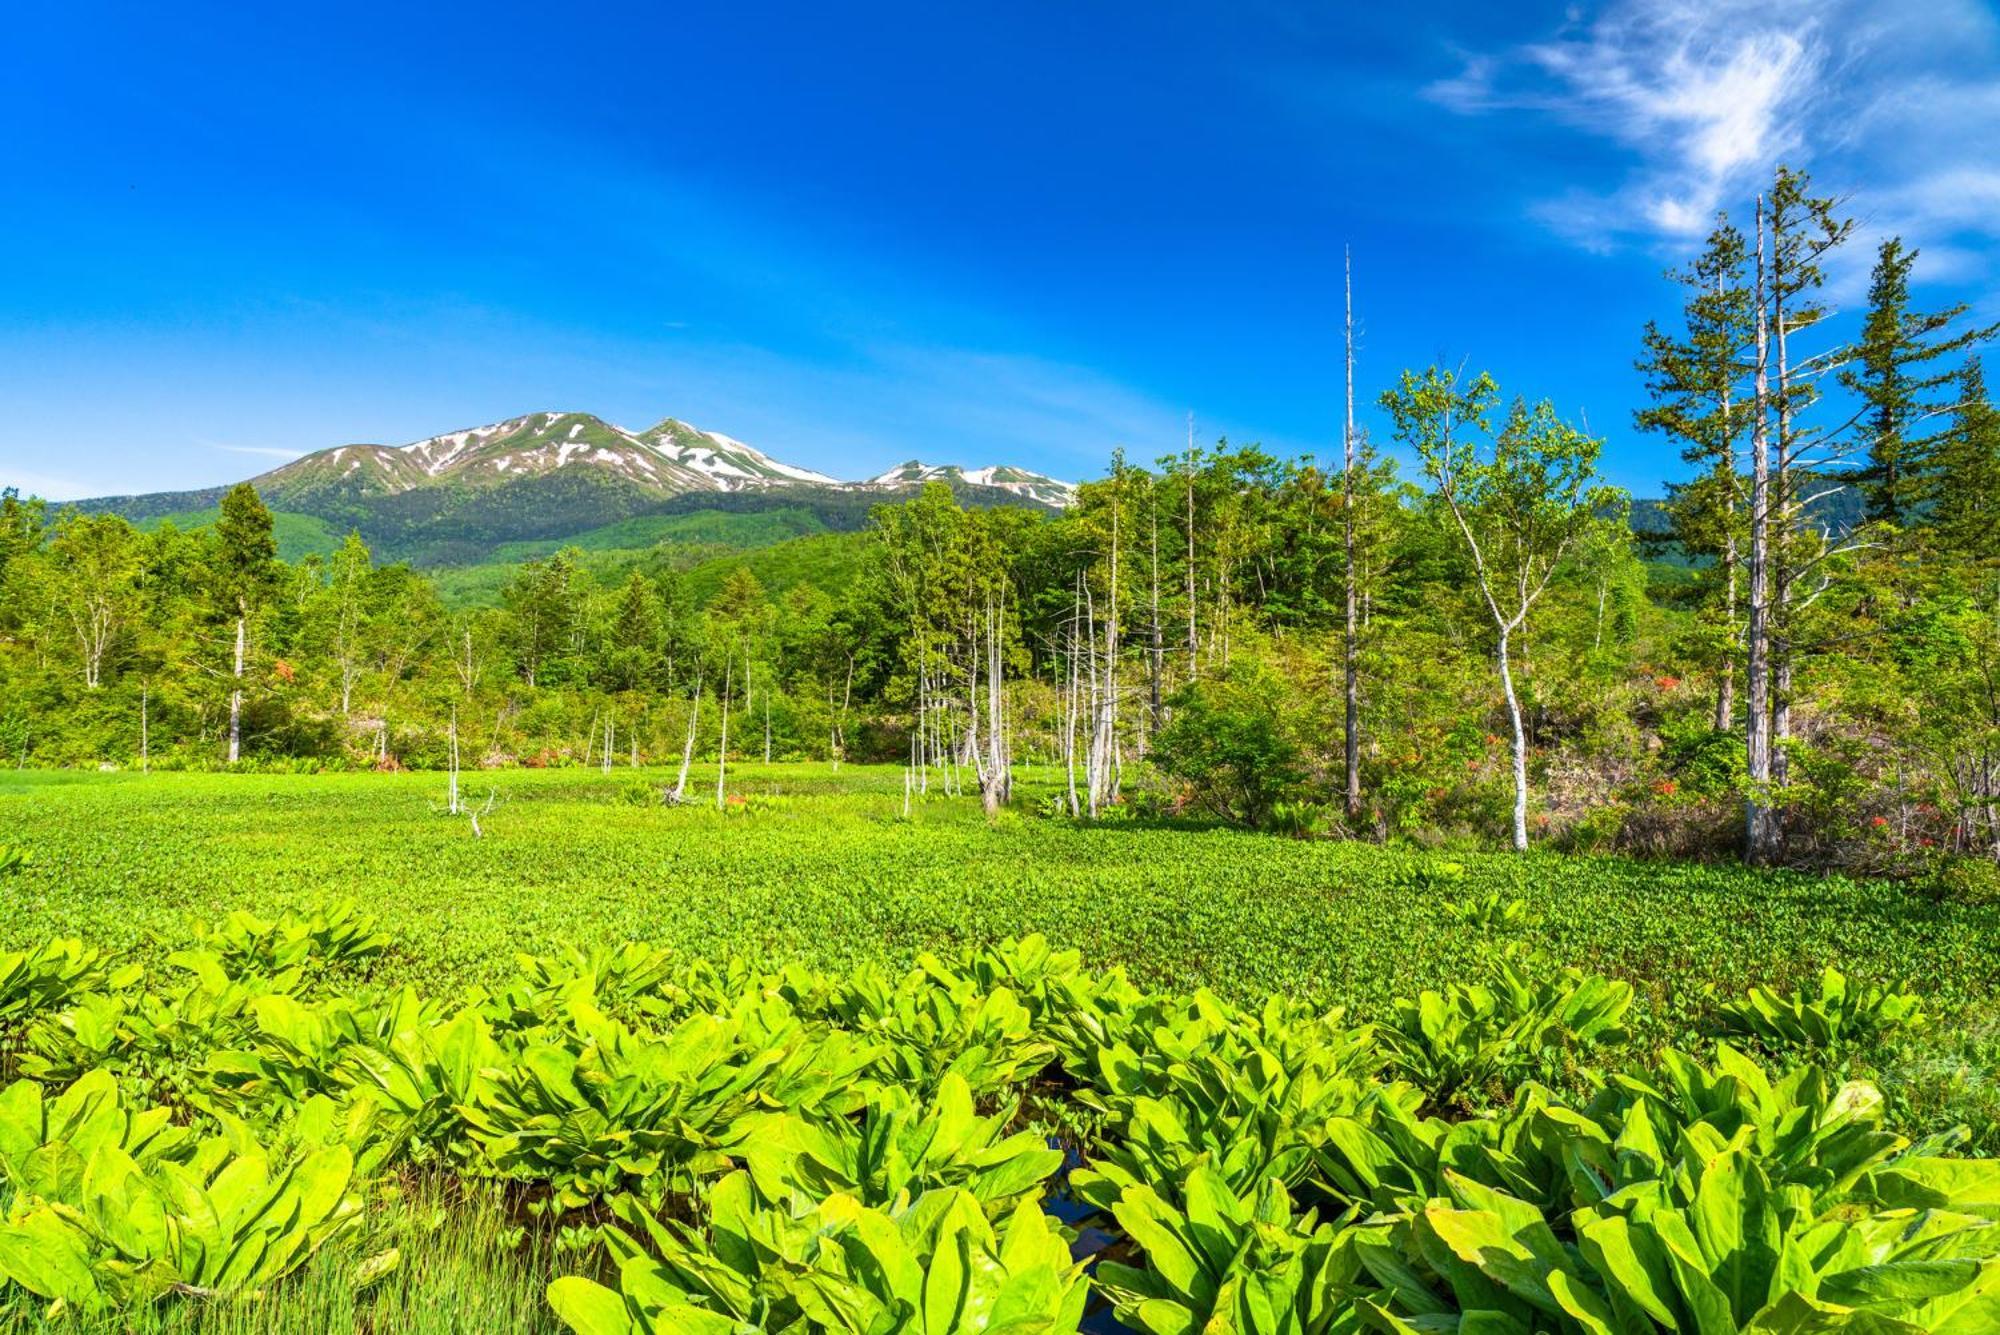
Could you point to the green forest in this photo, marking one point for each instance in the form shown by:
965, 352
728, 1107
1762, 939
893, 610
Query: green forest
1794, 658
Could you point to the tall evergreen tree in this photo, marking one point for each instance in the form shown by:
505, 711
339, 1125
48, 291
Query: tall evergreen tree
542, 597
636, 636
1693, 380
1895, 374
1965, 512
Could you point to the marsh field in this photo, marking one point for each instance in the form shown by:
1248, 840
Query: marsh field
603, 1040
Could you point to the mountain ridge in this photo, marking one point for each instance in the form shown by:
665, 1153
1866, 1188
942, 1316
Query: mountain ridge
458, 495
671, 456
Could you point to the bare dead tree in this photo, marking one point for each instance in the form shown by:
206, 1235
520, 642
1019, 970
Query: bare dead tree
1193, 640
1350, 640
451, 782
236, 690
1158, 656
677, 793
992, 767
722, 746
1760, 819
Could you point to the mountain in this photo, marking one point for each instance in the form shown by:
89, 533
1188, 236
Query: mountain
1014, 481
458, 497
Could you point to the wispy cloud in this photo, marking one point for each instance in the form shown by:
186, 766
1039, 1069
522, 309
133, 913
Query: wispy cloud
261, 451
1894, 103
45, 485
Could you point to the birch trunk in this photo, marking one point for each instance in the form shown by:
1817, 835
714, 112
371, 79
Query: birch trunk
679, 790
451, 781
1158, 657
1520, 744
236, 693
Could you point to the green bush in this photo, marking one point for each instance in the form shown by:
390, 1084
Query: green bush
1233, 742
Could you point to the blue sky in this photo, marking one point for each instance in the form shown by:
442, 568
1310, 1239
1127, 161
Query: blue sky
854, 235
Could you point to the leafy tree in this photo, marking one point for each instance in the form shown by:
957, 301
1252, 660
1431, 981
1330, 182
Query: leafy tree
340, 615
637, 636
541, 600
244, 572
94, 568
1521, 505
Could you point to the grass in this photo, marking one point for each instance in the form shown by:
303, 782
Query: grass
827, 873
823, 869
459, 1273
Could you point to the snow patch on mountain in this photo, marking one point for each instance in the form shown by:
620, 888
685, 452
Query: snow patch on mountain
669, 458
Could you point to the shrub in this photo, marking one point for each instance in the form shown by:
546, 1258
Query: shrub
1233, 743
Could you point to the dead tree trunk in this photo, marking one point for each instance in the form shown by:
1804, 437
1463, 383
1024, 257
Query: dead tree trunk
678, 792
1193, 639
1520, 756
451, 805
1350, 643
1157, 664
236, 691
992, 767
722, 745
1760, 825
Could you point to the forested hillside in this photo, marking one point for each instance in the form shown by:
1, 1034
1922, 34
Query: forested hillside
532, 484
1471, 646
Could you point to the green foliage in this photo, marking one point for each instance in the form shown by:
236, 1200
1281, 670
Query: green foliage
1459, 1044
935, 1265
898, 1150
1226, 1261
1234, 744
299, 536
340, 937
1300, 820
872, 1149
1491, 914
1834, 1017
111, 1208
47, 977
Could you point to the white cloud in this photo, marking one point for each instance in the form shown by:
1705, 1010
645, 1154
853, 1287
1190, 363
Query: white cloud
262, 451
45, 485
1895, 105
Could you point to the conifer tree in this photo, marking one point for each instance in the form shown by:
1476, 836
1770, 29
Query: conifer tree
1965, 501
1895, 374
1693, 380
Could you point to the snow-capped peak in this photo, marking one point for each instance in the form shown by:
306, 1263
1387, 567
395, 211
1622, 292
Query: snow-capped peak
669, 458
1018, 481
